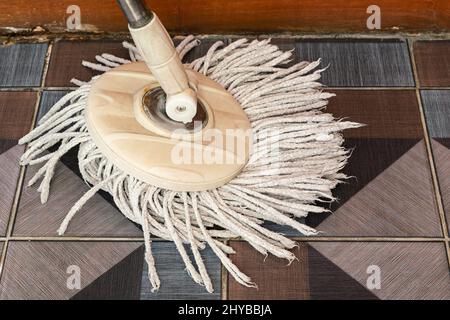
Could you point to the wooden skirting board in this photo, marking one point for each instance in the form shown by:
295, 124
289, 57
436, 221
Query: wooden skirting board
231, 16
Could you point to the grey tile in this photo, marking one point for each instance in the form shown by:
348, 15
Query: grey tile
360, 63
284, 230
436, 104
48, 99
21, 65
175, 281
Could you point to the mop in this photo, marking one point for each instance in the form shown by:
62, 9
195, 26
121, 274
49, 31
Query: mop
198, 153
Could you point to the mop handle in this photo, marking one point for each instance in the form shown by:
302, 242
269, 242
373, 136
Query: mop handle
157, 49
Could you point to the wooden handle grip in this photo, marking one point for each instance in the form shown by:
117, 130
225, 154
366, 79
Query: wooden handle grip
157, 49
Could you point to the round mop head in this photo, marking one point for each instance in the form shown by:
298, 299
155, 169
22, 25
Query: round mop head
293, 164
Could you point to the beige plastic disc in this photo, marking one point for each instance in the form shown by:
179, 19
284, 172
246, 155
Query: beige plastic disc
125, 121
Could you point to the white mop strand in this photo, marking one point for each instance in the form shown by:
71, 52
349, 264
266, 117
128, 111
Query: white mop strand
284, 106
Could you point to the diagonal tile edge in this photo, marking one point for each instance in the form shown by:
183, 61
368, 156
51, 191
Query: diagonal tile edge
408, 270
398, 202
329, 282
55, 266
121, 282
97, 217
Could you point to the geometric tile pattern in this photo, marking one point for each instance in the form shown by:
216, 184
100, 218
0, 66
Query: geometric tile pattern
407, 270
42, 270
326, 270
95, 219
383, 198
387, 211
399, 202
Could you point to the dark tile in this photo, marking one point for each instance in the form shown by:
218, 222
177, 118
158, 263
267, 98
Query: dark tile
48, 264
433, 62
284, 230
287, 44
408, 270
175, 281
391, 191
16, 114
66, 58
96, 218
6, 144
274, 278
9, 175
21, 65
360, 63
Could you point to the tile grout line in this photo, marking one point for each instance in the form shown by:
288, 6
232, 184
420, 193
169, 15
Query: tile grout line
224, 274
299, 238
432, 164
224, 279
399, 88
18, 191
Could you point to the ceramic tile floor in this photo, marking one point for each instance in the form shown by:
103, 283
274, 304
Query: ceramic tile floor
393, 215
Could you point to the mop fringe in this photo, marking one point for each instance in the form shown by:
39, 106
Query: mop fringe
292, 169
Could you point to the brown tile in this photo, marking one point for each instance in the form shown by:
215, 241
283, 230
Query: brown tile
442, 158
386, 114
16, 114
274, 278
9, 175
96, 218
408, 270
66, 58
433, 63
39, 270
